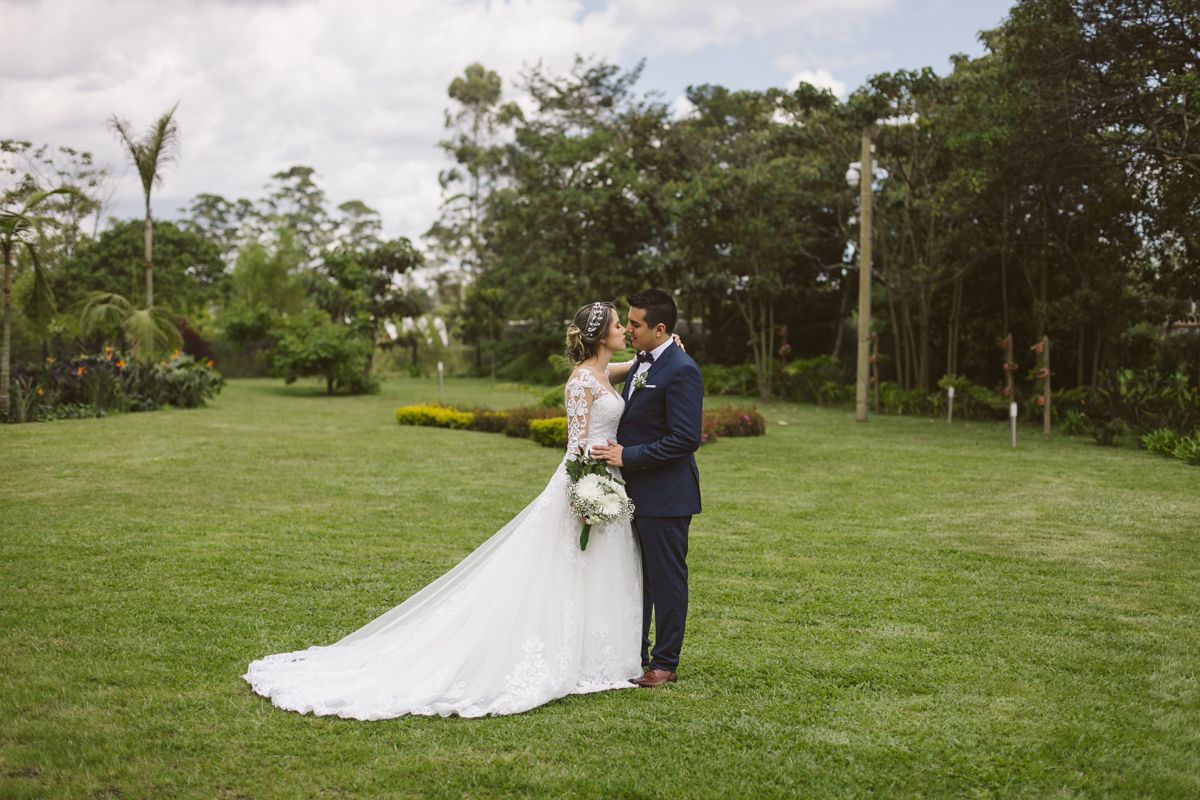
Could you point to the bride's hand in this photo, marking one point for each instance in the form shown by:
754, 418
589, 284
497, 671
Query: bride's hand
678, 342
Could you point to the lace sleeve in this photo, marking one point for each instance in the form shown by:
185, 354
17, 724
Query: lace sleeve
580, 391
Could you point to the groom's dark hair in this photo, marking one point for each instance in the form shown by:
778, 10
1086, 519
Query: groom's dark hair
659, 307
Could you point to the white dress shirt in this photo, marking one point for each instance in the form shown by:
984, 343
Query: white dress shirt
657, 352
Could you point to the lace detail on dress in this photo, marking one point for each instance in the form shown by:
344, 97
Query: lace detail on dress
593, 411
525, 618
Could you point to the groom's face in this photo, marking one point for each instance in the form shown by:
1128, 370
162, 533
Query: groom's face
642, 336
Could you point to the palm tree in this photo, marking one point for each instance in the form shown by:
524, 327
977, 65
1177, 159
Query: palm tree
148, 331
156, 149
20, 228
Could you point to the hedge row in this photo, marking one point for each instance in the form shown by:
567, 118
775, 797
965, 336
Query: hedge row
548, 426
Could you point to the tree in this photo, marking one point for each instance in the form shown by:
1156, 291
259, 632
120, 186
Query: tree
42, 166
225, 223
190, 272
578, 217
149, 154
458, 235
19, 229
362, 289
312, 344
297, 203
749, 214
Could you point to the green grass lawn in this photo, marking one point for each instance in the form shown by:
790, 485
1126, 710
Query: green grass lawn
898, 609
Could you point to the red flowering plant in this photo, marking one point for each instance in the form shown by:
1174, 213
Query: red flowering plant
732, 422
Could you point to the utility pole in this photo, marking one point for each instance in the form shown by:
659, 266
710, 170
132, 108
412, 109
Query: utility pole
866, 173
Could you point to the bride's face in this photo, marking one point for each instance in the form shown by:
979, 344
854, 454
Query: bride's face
615, 341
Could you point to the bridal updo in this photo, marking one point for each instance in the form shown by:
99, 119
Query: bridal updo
589, 327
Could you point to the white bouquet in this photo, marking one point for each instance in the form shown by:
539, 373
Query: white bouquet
596, 495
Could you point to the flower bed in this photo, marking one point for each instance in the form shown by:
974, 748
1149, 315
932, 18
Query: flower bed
90, 385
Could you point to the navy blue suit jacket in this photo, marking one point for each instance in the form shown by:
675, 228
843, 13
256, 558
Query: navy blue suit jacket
660, 432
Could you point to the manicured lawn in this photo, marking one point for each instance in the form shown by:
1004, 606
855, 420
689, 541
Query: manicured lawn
899, 609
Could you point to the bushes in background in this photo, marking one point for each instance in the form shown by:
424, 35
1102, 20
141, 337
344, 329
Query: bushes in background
91, 385
434, 416
548, 427
549, 432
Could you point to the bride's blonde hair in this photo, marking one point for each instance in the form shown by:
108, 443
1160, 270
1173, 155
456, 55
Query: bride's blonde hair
589, 327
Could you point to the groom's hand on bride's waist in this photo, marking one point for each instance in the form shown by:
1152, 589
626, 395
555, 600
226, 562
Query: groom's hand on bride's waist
609, 453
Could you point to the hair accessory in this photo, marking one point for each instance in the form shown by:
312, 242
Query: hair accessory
595, 319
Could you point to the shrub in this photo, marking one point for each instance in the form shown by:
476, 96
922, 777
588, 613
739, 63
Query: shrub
553, 398
488, 421
69, 411
1074, 423
107, 382
1162, 441
895, 400
734, 422
737, 380
310, 344
1187, 449
434, 416
549, 432
817, 380
519, 419
1105, 432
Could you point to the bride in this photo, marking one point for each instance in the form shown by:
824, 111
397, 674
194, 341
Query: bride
526, 618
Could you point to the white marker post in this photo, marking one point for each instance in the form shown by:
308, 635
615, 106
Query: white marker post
950, 405
1012, 415
441, 379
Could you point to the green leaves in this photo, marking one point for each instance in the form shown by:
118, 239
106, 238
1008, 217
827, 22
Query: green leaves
150, 332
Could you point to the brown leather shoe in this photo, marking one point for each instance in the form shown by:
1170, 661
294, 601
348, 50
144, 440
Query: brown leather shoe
653, 678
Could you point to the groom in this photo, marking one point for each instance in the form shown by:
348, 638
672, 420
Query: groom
658, 433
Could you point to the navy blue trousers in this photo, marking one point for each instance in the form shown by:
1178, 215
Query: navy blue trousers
664, 545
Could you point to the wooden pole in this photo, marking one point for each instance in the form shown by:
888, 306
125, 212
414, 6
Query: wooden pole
864, 275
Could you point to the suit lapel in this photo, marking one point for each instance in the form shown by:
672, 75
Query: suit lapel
655, 368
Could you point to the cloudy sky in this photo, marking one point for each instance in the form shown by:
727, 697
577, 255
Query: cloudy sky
357, 88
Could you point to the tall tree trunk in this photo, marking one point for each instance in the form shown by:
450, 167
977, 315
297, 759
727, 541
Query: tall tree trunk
841, 321
1079, 359
923, 313
149, 239
897, 344
1004, 269
910, 345
953, 328
6, 348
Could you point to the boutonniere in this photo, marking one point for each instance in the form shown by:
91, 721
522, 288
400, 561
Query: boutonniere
639, 381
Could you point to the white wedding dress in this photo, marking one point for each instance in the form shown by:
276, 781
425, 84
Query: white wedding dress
524, 619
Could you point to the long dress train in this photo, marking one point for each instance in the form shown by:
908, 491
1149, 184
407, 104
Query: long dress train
524, 619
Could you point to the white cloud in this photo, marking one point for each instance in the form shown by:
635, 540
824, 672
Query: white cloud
355, 89
682, 108
684, 26
821, 78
